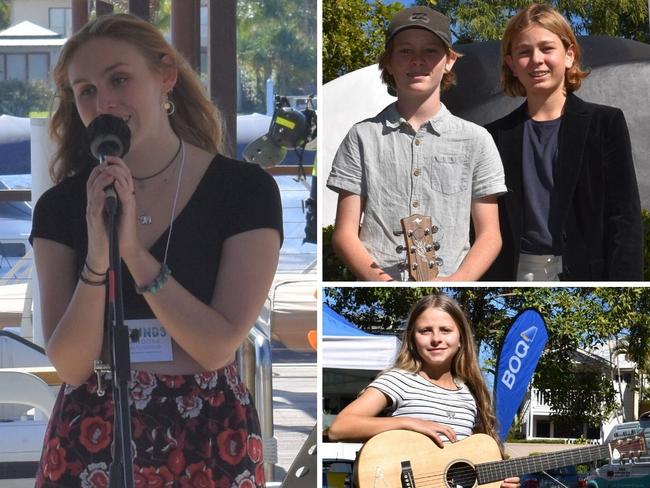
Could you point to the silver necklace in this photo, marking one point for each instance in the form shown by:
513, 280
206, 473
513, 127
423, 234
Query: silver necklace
144, 218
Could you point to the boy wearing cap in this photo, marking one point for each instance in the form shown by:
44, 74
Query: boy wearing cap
416, 157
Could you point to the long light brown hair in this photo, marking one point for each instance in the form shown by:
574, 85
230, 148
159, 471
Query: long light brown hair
465, 364
551, 20
196, 119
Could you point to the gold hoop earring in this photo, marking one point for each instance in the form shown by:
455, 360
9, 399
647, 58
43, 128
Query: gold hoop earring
169, 106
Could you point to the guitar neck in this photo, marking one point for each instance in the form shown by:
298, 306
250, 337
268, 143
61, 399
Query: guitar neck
500, 470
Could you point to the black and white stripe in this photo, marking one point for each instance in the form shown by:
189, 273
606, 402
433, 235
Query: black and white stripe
413, 396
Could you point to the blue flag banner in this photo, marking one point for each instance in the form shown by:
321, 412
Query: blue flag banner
520, 351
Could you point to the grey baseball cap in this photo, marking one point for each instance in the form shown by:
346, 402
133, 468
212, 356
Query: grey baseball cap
420, 18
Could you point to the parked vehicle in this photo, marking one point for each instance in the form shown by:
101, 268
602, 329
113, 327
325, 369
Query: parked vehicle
566, 477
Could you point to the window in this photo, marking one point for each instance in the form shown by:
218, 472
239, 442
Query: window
30, 66
37, 66
61, 21
543, 428
16, 67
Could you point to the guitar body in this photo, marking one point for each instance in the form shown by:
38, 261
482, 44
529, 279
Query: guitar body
381, 461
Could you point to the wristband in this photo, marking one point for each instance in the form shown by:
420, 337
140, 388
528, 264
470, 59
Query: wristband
91, 282
93, 271
157, 283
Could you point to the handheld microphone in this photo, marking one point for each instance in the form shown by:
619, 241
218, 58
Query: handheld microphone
108, 135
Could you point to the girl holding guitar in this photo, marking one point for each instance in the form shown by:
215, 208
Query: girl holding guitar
435, 387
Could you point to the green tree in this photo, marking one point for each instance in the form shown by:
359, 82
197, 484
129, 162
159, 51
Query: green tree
353, 34
353, 29
5, 14
277, 40
483, 20
578, 320
19, 98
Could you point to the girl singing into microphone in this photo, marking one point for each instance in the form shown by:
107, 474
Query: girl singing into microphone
199, 237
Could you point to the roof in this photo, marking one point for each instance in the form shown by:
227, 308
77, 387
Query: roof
27, 33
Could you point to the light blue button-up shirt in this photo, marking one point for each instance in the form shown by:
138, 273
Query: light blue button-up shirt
436, 171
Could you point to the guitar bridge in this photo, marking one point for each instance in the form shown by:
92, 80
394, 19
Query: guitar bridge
406, 477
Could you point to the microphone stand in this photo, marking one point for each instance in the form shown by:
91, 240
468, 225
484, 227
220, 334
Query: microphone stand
121, 471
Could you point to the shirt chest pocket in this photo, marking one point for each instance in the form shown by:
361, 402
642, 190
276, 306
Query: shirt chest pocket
449, 174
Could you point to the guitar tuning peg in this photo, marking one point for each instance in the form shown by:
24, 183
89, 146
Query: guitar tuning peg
398, 232
400, 249
415, 266
439, 262
428, 247
434, 229
427, 231
431, 264
412, 249
436, 246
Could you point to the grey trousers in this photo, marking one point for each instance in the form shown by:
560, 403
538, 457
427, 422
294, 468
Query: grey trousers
533, 267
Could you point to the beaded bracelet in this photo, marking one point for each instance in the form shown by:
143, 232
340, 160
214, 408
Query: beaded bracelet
91, 282
157, 283
93, 271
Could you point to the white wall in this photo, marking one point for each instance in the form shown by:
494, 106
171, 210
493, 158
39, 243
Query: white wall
36, 11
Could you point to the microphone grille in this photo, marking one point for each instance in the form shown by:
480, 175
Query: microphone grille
108, 134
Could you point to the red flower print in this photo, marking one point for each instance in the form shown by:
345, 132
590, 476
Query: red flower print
197, 476
259, 474
176, 461
54, 462
189, 406
232, 445
137, 427
139, 479
155, 477
254, 446
94, 476
172, 381
244, 480
95, 434
207, 379
217, 399
142, 384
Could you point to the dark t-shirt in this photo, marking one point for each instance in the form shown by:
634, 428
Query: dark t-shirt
541, 231
232, 197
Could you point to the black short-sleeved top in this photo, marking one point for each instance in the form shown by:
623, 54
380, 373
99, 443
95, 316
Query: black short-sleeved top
232, 197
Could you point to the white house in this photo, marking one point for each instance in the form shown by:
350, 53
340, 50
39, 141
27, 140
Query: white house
28, 51
535, 413
55, 15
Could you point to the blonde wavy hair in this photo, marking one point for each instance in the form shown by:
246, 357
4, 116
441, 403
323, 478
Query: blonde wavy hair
196, 119
551, 20
465, 364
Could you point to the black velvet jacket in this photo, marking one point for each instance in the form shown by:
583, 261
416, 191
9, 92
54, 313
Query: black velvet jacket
602, 235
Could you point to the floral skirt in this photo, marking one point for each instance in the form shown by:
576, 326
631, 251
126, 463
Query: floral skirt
188, 431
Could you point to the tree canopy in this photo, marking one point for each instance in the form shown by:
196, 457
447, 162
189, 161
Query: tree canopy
353, 30
277, 40
578, 319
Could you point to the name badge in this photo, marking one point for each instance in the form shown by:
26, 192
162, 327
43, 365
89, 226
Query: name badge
155, 343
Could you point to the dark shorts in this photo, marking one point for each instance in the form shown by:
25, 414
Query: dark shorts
189, 430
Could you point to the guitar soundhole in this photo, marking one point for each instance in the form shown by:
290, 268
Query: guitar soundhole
460, 475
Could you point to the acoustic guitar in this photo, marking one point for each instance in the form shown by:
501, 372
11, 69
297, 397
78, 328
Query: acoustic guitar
407, 459
420, 247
